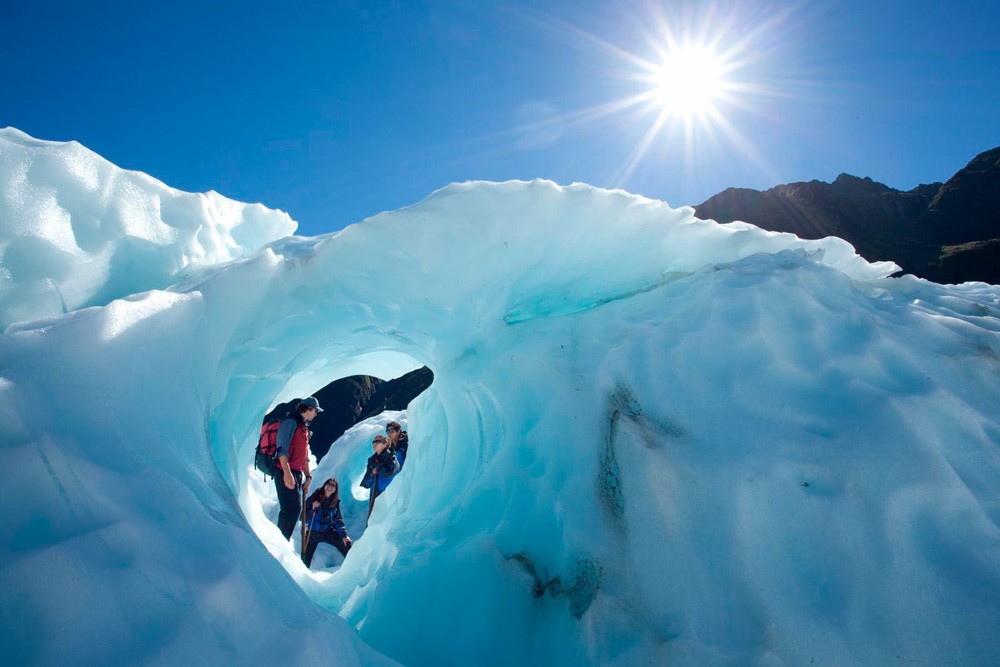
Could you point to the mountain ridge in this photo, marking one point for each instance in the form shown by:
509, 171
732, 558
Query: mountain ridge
946, 232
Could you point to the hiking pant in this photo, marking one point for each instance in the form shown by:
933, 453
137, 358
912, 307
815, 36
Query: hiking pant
328, 536
289, 501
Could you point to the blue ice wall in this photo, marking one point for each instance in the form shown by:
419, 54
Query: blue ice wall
650, 439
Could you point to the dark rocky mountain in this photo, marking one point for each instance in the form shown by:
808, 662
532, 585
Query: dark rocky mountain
967, 208
944, 232
349, 400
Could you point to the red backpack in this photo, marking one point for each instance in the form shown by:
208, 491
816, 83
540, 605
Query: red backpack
267, 447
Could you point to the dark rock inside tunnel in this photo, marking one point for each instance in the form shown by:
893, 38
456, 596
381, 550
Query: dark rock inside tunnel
353, 399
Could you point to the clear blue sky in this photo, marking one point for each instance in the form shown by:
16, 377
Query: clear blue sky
334, 111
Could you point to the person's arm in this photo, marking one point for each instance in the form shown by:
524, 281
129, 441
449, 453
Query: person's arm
307, 480
283, 442
369, 477
287, 477
389, 465
337, 521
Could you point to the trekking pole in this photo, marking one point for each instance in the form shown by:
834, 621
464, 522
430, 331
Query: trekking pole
371, 498
308, 536
303, 546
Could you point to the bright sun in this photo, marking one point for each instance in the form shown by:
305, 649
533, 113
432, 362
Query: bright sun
693, 73
688, 82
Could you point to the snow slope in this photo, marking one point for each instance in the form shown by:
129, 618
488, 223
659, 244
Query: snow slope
77, 231
650, 439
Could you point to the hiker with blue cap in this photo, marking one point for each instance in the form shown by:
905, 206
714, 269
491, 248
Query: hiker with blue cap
293, 463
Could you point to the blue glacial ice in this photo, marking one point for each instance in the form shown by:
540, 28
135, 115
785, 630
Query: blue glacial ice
651, 439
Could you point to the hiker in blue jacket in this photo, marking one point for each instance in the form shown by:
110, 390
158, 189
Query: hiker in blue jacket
326, 524
382, 465
399, 442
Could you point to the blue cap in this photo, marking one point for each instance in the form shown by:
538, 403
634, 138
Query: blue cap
312, 403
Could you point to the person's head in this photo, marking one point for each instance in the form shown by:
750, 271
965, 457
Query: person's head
392, 431
309, 408
330, 489
379, 443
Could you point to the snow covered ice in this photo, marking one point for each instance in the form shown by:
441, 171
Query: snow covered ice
650, 440
76, 231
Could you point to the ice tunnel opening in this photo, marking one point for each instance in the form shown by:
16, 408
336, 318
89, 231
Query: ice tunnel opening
244, 393
355, 410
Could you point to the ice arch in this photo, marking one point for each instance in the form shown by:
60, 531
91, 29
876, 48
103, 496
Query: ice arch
649, 438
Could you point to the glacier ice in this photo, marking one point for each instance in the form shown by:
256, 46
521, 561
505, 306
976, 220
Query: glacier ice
76, 231
650, 439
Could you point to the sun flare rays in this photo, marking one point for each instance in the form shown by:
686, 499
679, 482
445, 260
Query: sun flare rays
685, 82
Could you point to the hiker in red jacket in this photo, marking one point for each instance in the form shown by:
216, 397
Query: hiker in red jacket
293, 463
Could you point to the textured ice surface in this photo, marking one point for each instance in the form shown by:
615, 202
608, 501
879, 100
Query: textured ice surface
650, 439
77, 231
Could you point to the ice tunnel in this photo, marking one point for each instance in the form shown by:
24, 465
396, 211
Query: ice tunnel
650, 439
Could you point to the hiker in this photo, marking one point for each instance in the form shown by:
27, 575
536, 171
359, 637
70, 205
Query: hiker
292, 473
399, 441
382, 465
327, 523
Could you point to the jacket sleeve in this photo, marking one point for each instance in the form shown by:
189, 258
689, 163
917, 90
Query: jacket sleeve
337, 521
368, 479
389, 466
283, 440
402, 448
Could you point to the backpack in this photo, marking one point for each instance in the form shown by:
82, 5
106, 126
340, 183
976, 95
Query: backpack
267, 448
